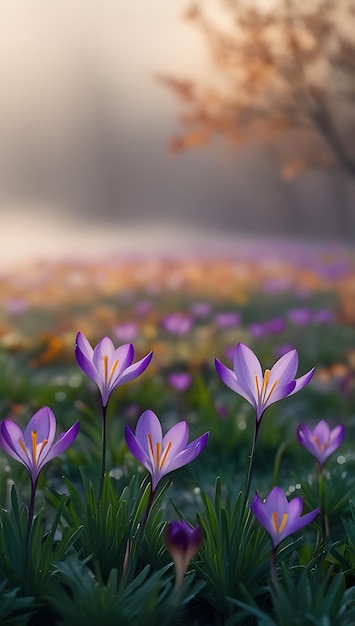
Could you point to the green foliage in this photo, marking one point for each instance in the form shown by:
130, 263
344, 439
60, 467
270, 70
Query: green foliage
27, 565
111, 527
307, 596
148, 599
234, 557
14, 609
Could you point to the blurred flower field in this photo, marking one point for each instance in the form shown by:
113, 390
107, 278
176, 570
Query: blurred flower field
188, 311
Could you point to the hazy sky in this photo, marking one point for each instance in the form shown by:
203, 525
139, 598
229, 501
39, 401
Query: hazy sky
85, 127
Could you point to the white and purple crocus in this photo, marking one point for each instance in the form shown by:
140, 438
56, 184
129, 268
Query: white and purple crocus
258, 388
34, 446
162, 454
107, 366
321, 441
279, 517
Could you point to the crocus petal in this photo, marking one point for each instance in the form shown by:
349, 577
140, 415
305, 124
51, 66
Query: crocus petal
10, 434
123, 356
63, 442
276, 502
285, 369
229, 378
258, 508
87, 366
189, 454
302, 381
43, 423
104, 348
296, 524
279, 393
295, 507
322, 431
135, 370
336, 437
148, 424
84, 346
246, 366
136, 449
177, 437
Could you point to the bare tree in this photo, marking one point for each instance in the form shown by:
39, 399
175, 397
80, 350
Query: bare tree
288, 70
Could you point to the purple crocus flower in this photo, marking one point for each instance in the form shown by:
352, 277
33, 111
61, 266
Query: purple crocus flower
300, 317
227, 320
34, 447
180, 381
107, 366
161, 455
321, 442
177, 323
261, 390
126, 332
182, 541
279, 517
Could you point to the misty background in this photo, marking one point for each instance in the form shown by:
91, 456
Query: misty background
85, 128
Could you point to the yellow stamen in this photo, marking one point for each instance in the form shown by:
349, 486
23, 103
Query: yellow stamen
34, 446
158, 459
105, 359
321, 446
262, 397
22, 444
149, 437
158, 453
257, 386
44, 443
265, 382
113, 369
279, 528
165, 455
271, 391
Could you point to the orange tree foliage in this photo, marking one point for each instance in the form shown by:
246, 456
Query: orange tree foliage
288, 67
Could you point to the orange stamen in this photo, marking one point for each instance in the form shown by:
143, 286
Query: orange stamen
158, 453
265, 382
114, 367
34, 446
105, 359
165, 455
279, 528
271, 391
22, 444
149, 437
257, 385
321, 446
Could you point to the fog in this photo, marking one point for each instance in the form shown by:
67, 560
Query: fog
85, 129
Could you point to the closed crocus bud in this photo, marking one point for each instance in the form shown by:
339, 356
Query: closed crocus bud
182, 541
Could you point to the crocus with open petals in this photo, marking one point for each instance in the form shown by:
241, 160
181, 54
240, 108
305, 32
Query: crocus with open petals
107, 366
320, 441
261, 390
161, 455
34, 447
182, 541
279, 517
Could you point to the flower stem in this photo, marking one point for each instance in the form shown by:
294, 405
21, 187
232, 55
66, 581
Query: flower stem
103, 454
31, 510
321, 500
250, 466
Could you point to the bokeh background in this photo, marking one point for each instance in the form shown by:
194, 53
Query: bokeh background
88, 126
